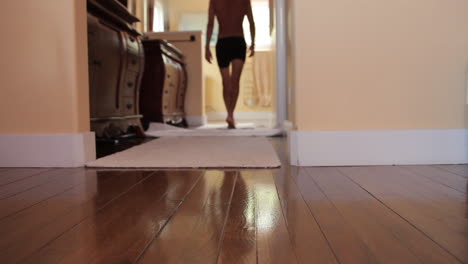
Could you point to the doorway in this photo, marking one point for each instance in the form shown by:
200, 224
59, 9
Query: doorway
261, 107
261, 103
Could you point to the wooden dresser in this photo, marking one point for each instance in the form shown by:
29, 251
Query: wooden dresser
116, 61
164, 84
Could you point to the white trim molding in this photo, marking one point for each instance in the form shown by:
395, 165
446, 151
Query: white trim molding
47, 150
378, 147
195, 121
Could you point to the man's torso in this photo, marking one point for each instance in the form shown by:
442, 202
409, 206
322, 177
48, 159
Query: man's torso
230, 15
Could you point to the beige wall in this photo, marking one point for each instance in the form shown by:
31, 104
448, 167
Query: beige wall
177, 7
44, 67
367, 64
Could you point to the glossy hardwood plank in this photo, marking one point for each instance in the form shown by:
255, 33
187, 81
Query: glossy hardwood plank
306, 238
9, 176
239, 239
194, 233
31, 182
24, 224
119, 232
273, 242
407, 195
435, 174
16, 203
347, 245
181, 182
306, 235
389, 237
31, 229
418, 191
461, 169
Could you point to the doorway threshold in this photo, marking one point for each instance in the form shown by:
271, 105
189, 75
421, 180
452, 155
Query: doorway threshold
243, 130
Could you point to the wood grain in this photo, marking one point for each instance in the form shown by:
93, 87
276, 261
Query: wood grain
347, 245
273, 241
439, 176
194, 233
306, 235
461, 169
386, 214
239, 241
390, 238
119, 232
39, 179
16, 203
31, 229
12, 175
407, 196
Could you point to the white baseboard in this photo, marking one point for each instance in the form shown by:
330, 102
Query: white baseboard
378, 147
47, 150
194, 121
241, 116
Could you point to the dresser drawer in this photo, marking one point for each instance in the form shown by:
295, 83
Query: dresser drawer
132, 43
130, 84
133, 63
128, 105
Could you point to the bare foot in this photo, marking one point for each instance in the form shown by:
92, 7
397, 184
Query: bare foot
231, 124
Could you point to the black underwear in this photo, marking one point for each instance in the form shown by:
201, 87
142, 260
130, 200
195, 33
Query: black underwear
230, 48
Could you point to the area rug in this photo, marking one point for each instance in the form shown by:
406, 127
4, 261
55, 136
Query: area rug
243, 130
195, 152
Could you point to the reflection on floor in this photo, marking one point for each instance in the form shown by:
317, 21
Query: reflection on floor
387, 214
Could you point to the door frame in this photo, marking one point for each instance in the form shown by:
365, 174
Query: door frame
281, 63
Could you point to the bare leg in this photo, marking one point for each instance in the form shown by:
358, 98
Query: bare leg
237, 66
226, 76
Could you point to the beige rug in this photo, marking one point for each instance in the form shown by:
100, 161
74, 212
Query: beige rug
195, 152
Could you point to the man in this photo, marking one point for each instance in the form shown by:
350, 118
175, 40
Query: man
231, 47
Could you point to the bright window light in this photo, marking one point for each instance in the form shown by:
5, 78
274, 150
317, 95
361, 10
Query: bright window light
261, 14
158, 17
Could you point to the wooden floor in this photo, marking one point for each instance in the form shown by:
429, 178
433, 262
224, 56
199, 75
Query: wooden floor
390, 214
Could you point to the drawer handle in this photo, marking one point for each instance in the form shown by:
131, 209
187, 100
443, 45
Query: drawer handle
129, 106
129, 84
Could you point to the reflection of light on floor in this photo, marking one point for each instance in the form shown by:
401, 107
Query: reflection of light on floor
266, 217
264, 206
249, 212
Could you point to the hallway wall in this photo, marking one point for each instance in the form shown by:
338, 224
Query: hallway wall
368, 64
380, 82
44, 113
44, 71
